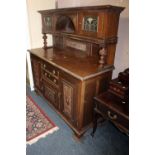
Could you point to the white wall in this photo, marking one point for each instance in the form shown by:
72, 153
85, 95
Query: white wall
34, 19
35, 34
74, 3
122, 50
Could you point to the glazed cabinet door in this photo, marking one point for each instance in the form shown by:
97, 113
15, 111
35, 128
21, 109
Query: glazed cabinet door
47, 23
69, 98
36, 68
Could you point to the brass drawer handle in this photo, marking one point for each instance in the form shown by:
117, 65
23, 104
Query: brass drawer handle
53, 71
55, 81
113, 117
123, 102
44, 66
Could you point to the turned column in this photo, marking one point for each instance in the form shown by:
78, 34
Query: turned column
45, 41
103, 55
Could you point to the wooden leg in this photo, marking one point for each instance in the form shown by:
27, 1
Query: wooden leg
77, 137
96, 115
36, 91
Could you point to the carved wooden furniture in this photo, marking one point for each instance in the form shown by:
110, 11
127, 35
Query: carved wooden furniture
80, 63
114, 103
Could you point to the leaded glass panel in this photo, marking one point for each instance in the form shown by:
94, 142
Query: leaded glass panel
47, 21
90, 24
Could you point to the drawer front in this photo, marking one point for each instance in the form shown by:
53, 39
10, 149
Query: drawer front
117, 118
50, 78
117, 90
112, 115
51, 94
49, 68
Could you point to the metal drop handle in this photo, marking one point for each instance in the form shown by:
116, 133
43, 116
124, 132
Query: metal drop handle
53, 71
112, 117
123, 102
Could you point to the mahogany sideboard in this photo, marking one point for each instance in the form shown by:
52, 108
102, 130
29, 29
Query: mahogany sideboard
79, 65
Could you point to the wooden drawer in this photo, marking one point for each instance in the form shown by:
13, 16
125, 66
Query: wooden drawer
51, 69
113, 115
50, 78
118, 89
51, 94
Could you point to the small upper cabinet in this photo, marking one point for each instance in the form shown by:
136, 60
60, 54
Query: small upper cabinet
90, 23
98, 24
97, 21
47, 23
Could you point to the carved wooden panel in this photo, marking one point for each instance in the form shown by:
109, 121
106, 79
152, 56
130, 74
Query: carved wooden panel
58, 41
67, 98
36, 72
51, 94
75, 44
85, 47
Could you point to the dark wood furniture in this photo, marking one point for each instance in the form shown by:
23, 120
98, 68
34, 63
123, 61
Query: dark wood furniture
80, 63
114, 103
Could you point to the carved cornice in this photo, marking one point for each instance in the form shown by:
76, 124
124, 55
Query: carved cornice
100, 8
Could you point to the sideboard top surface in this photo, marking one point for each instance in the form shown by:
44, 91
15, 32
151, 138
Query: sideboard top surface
74, 62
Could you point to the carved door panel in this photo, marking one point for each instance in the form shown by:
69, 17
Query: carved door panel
68, 106
68, 99
36, 67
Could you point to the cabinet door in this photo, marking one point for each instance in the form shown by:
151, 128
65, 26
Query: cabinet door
36, 68
69, 99
91, 24
88, 24
47, 23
